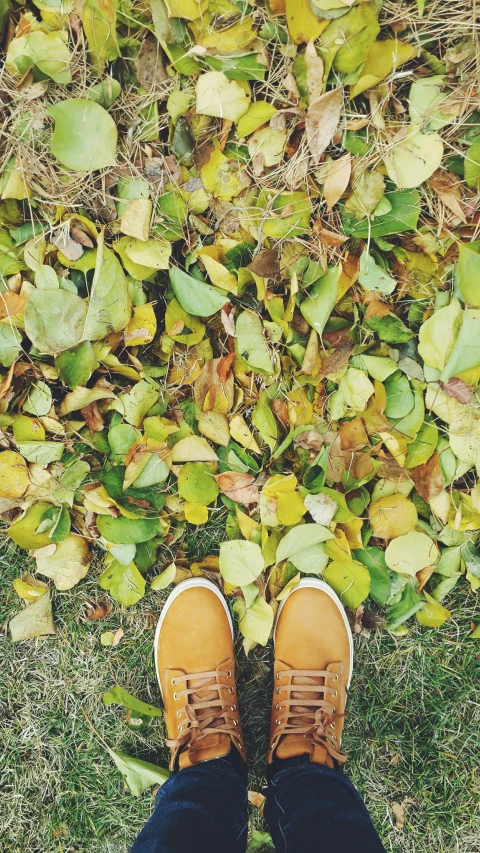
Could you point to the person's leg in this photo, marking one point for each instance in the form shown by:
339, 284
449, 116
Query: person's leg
203, 806
200, 808
311, 807
310, 804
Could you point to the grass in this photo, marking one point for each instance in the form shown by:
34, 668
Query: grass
412, 731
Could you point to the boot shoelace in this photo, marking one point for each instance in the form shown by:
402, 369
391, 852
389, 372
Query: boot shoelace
206, 711
310, 712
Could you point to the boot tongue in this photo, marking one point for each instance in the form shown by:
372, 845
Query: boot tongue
293, 744
212, 745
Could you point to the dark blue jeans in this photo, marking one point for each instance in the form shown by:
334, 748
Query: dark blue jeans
309, 808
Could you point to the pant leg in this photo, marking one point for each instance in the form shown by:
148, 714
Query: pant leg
313, 809
199, 808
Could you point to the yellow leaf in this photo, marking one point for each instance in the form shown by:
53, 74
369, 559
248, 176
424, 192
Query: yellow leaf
280, 484
384, 56
214, 426
220, 97
188, 9
222, 178
29, 588
195, 513
290, 508
396, 445
242, 433
303, 24
193, 449
246, 524
142, 327
392, 516
353, 532
135, 221
432, 614
300, 409
14, 479
338, 548
218, 274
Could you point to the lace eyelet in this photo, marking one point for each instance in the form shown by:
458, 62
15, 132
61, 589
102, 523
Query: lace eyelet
277, 690
179, 728
278, 676
175, 697
334, 710
334, 737
277, 722
277, 707
231, 690
179, 713
229, 673
335, 678
235, 722
173, 682
233, 707
335, 694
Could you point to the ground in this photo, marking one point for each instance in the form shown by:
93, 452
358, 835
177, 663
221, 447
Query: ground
412, 732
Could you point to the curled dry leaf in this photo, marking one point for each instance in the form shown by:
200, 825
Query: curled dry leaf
322, 121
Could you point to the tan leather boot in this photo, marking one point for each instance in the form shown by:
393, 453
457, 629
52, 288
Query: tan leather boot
195, 665
313, 665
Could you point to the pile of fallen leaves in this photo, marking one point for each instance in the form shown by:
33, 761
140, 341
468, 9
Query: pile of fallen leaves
240, 284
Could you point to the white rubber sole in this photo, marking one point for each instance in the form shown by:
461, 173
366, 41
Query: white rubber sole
184, 585
315, 583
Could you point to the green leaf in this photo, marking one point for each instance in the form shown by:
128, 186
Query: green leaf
36, 620
390, 329
320, 302
197, 484
38, 400
99, 21
432, 614
23, 532
472, 165
125, 583
85, 135
300, 538
55, 319
403, 216
264, 421
138, 775
281, 223
46, 51
410, 553
43, 452
374, 559
10, 344
413, 157
255, 622
250, 343
240, 562
196, 297
134, 405
77, 365
438, 334
410, 601
373, 277
128, 531
465, 354
351, 581
469, 272
118, 696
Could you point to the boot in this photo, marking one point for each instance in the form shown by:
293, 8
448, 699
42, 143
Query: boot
195, 664
312, 671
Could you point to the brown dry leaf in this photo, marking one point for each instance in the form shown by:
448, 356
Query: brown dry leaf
423, 576
315, 70
6, 381
266, 264
11, 304
353, 435
211, 393
322, 121
280, 409
72, 249
337, 180
336, 458
238, 487
256, 799
337, 359
331, 238
375, 306
97, 610
150, 70
228, 322
428, 478
310, 440
398, 810
93, 418
81, 237
117, 636
446, 186
373, 417
458, 389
